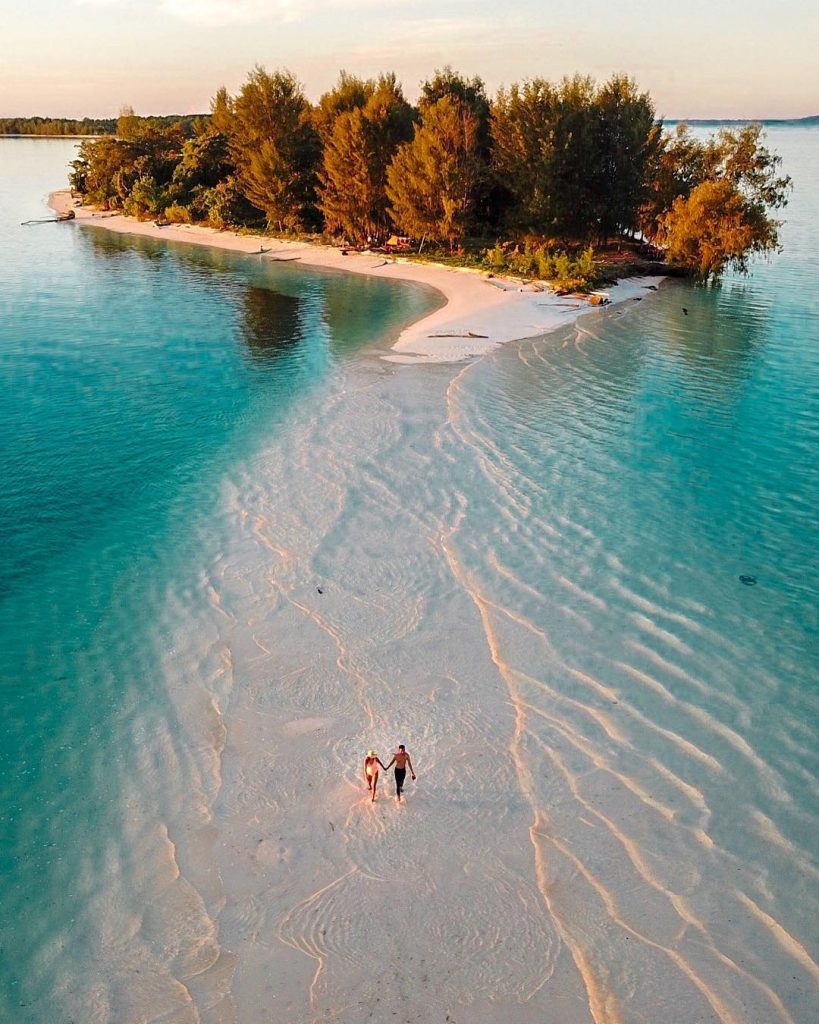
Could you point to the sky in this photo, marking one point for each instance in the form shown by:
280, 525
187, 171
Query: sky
700, 58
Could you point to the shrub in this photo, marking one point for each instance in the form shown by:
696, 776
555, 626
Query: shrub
562, 267
225, 206
176, 214
545, 264
585, 267
145, 199
536, 260
496, 257
523, 263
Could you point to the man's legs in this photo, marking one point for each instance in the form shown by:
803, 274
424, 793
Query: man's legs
400, 775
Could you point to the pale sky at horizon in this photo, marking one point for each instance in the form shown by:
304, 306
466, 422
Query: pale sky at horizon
706, 58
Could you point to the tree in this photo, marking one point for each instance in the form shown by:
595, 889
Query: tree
127, 124
492, 196
724, 190
96, 173
575, 155
221, 112
715, 227
547, 149
357, 153
204, 161
520, 126
471, 92
675, 167
351, 93
145, 198
275, 147
629, 136
432, 180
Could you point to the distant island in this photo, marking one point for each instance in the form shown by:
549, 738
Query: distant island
87, 126
84, 127
767, 122
76, 128
542, 180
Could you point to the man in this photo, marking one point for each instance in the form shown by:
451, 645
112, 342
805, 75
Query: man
401, 759
371, 763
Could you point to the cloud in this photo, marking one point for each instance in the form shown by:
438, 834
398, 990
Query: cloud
214, 13
217, 13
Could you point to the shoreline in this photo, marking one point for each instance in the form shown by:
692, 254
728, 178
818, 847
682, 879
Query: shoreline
590, 864
479, 313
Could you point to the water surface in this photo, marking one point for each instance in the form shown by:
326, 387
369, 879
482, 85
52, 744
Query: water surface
531, 571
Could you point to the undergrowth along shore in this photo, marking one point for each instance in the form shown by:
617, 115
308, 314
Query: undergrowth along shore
564, 270
553, 167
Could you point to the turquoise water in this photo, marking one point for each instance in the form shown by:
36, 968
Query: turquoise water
530, 570
132, 376
642, 467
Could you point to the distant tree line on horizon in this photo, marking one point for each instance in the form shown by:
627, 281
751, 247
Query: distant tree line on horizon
57, 126
550, 168
51, 126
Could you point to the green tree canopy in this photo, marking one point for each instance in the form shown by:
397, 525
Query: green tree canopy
629, 138
492, 196
145, 149
544, 146
471, 92
715, 227
204, 160
357, 153
350, 93
274, 147
433, 180
574, 155
725, 190
553, 164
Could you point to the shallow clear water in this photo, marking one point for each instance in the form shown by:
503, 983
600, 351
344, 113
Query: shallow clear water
530, 571
132, 376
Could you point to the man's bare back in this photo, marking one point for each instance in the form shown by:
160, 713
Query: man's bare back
401, 759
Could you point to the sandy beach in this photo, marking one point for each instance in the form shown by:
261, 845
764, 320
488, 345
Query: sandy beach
522, 566
479, 314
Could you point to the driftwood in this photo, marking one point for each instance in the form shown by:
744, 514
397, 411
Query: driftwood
69, 215
467, 334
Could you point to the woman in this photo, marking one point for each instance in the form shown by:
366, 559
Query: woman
371, 763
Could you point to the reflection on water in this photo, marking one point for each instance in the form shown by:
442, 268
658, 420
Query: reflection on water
716, 329
271, 323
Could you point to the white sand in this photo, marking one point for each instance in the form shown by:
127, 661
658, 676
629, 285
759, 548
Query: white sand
480, 313
563, 857
291, 898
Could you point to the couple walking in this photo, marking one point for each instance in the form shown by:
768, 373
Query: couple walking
400, 759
